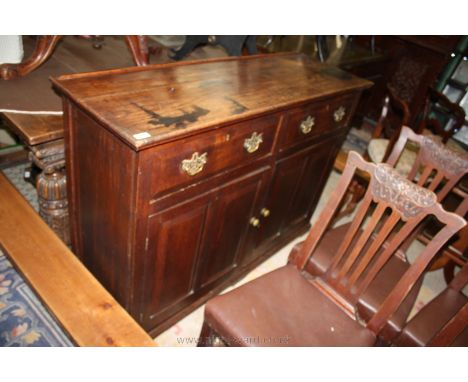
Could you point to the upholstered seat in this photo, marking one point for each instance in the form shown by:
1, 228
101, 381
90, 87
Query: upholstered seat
373, 297
432, 317
265, 307
377, 149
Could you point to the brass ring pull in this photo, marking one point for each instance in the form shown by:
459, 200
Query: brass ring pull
253, 143
195, 164
339, 114
307, 124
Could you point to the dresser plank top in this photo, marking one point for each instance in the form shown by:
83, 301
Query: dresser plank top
151, 105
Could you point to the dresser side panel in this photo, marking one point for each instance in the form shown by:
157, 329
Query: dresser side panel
103, 189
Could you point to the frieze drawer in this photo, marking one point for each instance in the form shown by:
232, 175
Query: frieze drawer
195, 158
304, 122
341, 110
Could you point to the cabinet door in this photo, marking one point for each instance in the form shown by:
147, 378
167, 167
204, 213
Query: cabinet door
194, 244
296, 186
227, 227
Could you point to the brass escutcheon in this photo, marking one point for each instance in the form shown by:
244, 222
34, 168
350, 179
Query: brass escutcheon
195, 164
307, 124
253, 143
339, 114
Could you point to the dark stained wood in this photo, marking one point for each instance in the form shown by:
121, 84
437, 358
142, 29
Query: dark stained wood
43, 135
187, 239
169, 220
35, 129
224, 148
414, 64
87, 312
100, 185
447, 108
173, 100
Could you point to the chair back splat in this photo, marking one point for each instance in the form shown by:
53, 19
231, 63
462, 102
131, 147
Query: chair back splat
393, 207
434, 164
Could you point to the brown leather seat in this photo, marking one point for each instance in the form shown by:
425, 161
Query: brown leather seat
373, 297
432, 318
265, 307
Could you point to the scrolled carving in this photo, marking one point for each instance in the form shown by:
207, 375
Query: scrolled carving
406, 197
449, 161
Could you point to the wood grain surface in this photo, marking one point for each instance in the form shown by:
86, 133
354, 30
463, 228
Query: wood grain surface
81, 305
145, 106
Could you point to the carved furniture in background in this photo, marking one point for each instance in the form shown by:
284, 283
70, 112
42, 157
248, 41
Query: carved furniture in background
414, 64
183, 177
84, 309
453, 114
287, 307
45, 46
43, 135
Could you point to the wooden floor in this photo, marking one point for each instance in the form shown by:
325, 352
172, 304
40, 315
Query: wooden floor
74, 55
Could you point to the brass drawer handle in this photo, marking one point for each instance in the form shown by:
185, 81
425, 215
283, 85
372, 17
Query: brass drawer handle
339, 114
307, 124
265, 212
254, 222
195, 164
253, 143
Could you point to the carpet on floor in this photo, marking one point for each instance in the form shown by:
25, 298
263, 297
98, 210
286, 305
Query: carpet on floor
24, 321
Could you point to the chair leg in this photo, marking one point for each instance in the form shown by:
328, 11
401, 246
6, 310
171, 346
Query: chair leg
208, 337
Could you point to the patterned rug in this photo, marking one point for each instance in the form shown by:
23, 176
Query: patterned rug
24, 321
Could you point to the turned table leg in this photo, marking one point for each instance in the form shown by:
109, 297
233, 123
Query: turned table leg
45, 46
51, 189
